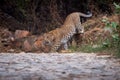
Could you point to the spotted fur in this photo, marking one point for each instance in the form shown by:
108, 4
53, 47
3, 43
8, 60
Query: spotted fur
61, 36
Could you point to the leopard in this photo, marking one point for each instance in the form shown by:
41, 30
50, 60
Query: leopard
60, 36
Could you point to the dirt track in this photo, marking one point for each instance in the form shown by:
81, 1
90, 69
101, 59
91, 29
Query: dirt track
76, 66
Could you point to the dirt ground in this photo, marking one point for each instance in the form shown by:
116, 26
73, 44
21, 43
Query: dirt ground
56, 66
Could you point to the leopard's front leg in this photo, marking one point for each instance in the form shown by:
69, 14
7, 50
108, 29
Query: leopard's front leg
65, 46
55, 47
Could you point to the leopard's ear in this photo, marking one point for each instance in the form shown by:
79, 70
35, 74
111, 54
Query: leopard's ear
50, 37
53, 38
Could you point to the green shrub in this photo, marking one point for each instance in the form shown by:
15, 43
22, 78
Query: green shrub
117, 8
114, 41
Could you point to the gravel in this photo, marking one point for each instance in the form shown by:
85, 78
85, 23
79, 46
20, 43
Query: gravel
56, 66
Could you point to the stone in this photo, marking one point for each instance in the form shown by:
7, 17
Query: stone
27, 46
21, 33
2, 69
11, 78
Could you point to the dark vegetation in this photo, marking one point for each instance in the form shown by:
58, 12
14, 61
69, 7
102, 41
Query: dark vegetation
40, 16
43, 15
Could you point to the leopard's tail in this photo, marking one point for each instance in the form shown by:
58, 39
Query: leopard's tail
85, 15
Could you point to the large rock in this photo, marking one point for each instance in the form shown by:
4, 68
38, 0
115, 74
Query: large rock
33, 43
21, 34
